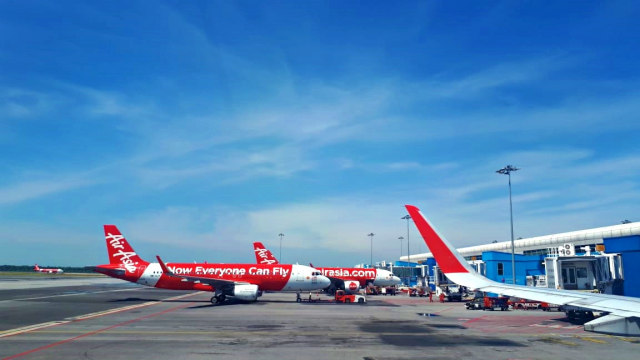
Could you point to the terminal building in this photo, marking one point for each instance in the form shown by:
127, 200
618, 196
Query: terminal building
605, 259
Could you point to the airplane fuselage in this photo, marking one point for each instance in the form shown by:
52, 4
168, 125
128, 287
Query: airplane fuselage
277, 277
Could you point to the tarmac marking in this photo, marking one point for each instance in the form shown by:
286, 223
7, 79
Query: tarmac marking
29, 328
569, 327
24, 329
631, 340
101, 330
558, 341
591, 339
446, 309
474, 320
74, 294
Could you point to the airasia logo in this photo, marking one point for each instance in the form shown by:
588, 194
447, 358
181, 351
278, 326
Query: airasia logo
118, 242
264, 256
353, 286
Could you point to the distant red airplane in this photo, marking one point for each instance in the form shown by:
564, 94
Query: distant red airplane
37, 268
241, 281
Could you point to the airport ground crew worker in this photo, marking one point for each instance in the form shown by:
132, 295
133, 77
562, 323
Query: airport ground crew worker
430, 295
441, 297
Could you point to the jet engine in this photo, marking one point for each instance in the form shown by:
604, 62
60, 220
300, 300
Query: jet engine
246, 292
351, 286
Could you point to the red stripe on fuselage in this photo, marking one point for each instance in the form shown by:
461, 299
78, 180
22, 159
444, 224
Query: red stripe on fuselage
446, 260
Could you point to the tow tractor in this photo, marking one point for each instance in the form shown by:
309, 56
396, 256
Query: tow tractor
451, 292
341, 297
488, 303
524, 304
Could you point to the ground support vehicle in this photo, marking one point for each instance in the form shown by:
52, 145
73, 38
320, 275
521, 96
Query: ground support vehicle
451, 292
549, 307
488, 303
341, 297
524, 304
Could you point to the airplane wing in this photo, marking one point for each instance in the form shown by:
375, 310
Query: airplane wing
623, 312
219, 284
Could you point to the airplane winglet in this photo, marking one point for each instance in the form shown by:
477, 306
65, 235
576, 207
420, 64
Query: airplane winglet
449, 260
163, 266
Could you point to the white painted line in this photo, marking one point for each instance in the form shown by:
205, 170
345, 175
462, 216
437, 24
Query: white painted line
29, 328
74, 294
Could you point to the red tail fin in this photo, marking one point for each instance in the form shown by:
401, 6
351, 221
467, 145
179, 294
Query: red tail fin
120, 252
36, 267
263, 255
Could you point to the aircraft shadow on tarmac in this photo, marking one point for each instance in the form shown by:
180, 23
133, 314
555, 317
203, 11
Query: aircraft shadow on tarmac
138, 299
575, 321
420, 334
229, 302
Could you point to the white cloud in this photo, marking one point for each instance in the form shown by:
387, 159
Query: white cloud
34, 189
25, 103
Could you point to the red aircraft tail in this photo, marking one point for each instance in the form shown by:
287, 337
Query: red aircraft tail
120, 252
36, 267
263, 255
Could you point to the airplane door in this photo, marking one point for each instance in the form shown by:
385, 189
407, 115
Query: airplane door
569, 276
572, 275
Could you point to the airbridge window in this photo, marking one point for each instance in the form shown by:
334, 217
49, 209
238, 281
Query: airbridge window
500, 269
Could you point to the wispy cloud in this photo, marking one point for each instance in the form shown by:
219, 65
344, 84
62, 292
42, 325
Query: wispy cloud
25, 103
34, 189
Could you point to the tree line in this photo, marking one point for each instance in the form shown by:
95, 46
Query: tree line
26, 268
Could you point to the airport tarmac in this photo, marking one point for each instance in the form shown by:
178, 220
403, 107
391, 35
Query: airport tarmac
119, 320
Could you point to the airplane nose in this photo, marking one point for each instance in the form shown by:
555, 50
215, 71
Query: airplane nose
324, 281
396, 279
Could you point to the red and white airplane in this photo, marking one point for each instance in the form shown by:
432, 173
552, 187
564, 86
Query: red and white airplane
242, 281
348, 279
622, 312
37, 268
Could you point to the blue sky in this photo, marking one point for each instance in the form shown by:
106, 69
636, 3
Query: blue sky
199, 127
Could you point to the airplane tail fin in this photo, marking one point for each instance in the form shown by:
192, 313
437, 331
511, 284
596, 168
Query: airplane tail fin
263, 255
120, 252
36, 267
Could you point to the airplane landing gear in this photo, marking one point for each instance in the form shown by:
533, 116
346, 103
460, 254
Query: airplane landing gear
218, 299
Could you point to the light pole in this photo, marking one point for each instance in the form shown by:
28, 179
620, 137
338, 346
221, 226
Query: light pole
507, 170
370, 235
407, 217
280, 255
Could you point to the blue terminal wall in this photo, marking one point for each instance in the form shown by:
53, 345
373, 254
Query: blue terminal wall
525, 265
629, 248
413, 280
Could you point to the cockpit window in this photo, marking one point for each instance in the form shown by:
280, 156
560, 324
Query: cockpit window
316, 273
